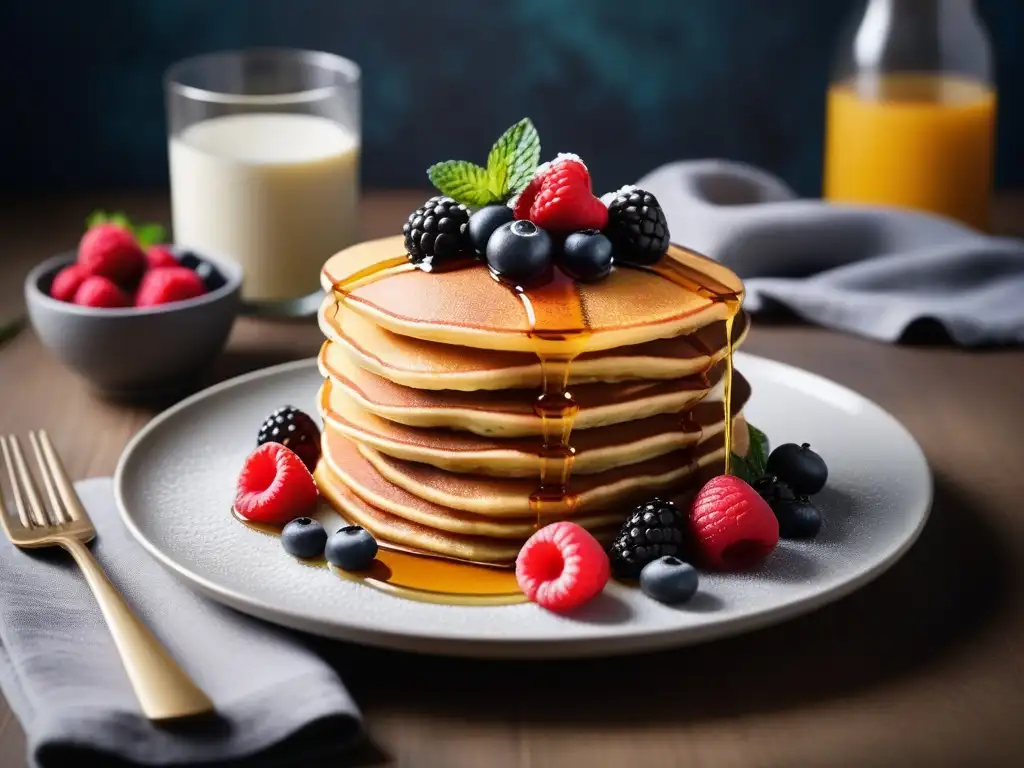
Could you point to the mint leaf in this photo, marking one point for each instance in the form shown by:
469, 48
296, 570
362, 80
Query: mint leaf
513, 159
740, 467
96, 218
462, 181
150, 234
754, 465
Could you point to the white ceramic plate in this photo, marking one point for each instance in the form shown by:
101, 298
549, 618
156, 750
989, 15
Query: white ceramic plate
175, 483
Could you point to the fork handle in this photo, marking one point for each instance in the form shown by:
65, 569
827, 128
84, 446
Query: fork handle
162, 687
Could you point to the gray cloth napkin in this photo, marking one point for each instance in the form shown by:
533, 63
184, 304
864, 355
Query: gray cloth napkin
872, 271
60, 672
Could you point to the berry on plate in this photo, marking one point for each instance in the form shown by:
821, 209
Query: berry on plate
66, 282
564, 201
637, 227
732, 526
483, 223
520, 251
561, 567
799, 467
655, 529
304, 537
587, 255
100, 292
798, 518
351, 548
294, 429
437, 232
111, 251
160, 256
164, 285
274, 486
669, 580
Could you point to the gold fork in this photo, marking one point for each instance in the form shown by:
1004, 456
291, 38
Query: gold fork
162, 687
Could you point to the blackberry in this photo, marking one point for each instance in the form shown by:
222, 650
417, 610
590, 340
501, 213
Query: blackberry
296, 431
436, 232
637, 227
655, 529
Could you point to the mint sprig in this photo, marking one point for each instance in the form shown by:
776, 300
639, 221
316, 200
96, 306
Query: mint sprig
754, 465
145, 234
511, 164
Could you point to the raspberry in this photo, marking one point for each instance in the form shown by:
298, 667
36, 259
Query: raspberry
66, 282
109, 251
161, 256
96, 291
565, 202
274, 486
733, 527
294, 429
561, 567
166, 284
524, 200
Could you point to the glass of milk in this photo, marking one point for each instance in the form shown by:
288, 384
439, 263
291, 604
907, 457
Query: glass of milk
264, 163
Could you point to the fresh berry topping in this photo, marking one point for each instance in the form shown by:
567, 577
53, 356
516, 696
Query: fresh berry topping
799, 467
483, 223
770, 488
96, 291
211, 276
523, 202
112, 252
519, 251
274, 486
798, 518
669, 580
190, 261
66, 282
351, 548
167, 284
294, 429
565, 202
304, 537
437, 232
160, 256
587, 255
733, 527
561, 567
637, 227
655, 529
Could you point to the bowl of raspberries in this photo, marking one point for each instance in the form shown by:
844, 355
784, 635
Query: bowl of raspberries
130, 313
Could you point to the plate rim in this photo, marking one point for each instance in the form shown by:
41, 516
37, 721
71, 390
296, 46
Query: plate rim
497, 647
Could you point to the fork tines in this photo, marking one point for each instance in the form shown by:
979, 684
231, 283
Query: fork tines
64, 506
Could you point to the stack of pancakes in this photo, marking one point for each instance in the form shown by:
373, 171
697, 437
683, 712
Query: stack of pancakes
431, 438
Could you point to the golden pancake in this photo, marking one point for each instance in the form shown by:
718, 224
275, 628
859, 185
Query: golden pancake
430, 365
511, 413
596, 450
469, 307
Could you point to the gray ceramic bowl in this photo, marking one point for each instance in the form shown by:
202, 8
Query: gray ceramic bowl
134, 351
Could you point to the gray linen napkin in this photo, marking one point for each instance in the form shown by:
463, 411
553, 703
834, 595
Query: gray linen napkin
868, 270
60, 672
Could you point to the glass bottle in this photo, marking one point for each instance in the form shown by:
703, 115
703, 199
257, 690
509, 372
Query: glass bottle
911, 110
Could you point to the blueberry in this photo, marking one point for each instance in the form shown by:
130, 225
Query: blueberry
304, 537
519, 250
189, 259
587, 255
210, 275
799, 467
669, 580
352, 548
483, 223
798, 518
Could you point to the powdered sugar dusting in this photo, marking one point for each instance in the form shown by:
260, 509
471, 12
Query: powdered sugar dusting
607, 197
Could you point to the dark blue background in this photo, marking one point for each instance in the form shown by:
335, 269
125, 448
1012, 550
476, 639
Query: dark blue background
627, 84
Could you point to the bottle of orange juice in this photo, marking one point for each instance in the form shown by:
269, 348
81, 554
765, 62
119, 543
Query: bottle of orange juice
911, 111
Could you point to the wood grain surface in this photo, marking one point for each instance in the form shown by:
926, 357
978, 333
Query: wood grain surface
924, 667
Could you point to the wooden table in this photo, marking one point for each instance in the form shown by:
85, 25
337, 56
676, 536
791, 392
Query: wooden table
924, 667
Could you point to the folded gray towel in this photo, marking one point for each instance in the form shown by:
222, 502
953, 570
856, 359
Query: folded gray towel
64, 680
868, 270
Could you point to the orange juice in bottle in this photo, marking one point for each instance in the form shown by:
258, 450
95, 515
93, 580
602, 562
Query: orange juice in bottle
911, 111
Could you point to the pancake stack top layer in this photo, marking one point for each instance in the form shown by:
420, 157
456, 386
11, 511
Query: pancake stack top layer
460, 411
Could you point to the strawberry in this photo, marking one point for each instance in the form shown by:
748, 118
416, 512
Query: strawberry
564, 202
562, 567
166, 284
274, 486
732, 526
160, 256
112, 252
96, 291
66, 282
